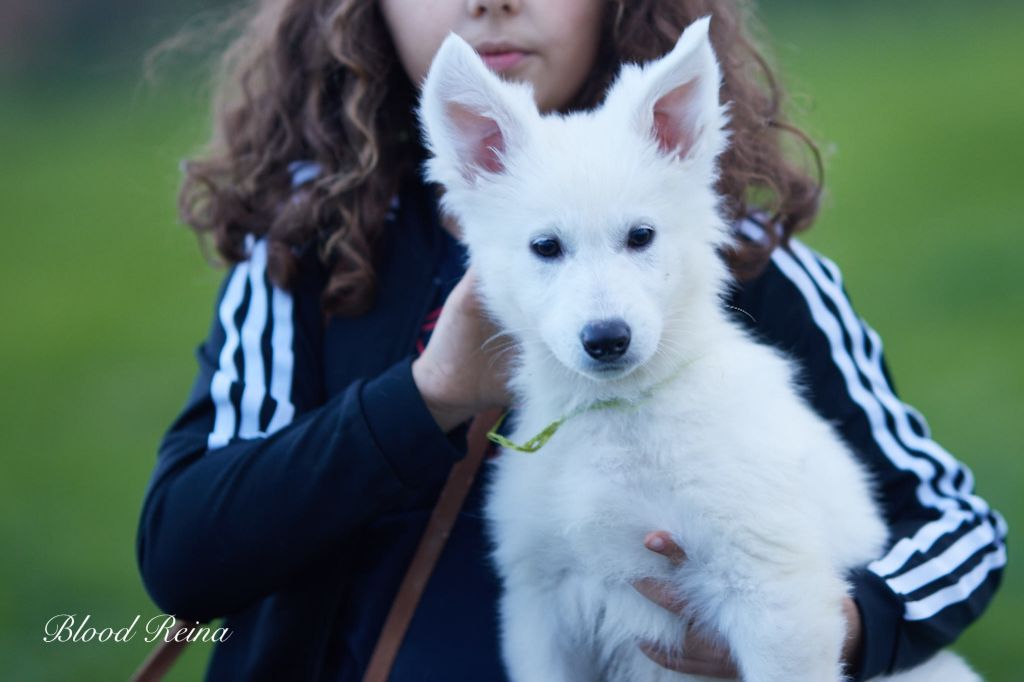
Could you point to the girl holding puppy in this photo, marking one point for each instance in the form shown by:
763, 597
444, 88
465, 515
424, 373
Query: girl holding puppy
348, 350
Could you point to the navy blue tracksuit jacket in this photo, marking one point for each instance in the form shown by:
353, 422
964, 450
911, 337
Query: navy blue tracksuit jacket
289, 494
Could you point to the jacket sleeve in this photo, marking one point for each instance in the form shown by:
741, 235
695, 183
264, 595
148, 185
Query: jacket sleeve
260, 475
946, 551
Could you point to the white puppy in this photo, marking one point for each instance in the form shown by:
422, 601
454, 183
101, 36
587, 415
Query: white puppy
596, 237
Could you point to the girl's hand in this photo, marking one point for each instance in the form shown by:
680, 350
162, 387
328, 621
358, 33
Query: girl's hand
703, 657
456, 375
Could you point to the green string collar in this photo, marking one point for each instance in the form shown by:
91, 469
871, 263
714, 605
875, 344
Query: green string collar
538, 441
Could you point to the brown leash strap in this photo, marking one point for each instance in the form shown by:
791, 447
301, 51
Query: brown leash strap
163, 656
439, 527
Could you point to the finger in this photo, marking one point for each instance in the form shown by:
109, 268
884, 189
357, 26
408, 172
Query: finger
702, 648
661, 542
720, 670
661, 593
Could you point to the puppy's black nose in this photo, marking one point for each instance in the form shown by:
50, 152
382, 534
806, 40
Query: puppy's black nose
605, 340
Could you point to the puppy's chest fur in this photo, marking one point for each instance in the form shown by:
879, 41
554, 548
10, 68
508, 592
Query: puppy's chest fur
699, 460
586, 497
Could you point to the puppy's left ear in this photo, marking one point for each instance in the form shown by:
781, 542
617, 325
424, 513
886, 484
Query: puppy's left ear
679, 107
472, 121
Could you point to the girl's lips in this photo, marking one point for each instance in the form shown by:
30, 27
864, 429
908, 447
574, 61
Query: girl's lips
502, 60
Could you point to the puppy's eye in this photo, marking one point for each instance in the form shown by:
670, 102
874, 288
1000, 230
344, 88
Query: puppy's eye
640, 237
547, 247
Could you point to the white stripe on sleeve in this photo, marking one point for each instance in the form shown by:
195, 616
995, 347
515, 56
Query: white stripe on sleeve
226, 374
958, 591
926, 536
945, 563
284, 361
252, 345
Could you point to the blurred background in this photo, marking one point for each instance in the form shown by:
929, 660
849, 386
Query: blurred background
918, 106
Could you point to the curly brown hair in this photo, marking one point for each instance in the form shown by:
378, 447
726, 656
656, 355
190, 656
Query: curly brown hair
319, 81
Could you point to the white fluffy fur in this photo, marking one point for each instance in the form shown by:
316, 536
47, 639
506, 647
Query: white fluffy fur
770, 506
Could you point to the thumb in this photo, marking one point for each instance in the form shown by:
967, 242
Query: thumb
662, 543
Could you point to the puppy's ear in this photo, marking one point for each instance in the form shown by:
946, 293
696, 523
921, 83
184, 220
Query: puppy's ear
679, 106
472, 120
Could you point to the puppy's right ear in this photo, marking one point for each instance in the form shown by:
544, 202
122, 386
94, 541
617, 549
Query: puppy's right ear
472, 121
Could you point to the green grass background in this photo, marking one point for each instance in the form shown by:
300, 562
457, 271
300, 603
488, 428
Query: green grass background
104, 295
